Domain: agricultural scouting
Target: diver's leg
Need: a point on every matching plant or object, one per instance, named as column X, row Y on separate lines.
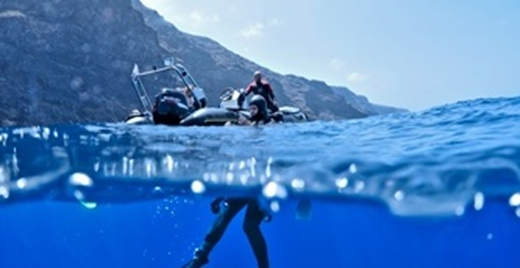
column 221, row 222
column 255, row 216
column 217, row 230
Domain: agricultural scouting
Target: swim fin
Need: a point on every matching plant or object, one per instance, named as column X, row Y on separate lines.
column 198, row 260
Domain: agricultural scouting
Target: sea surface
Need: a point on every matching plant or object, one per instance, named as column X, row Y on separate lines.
column 436, row 188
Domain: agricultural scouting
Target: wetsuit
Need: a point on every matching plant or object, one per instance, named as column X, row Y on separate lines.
column 253, row 218
column 269, row 119
column 264, row 89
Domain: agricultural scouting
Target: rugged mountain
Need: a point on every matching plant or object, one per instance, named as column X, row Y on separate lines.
column 361, row 103
column 65, row 61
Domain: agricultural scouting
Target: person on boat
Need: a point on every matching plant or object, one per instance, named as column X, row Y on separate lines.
column 262, row 87
column 195, row 97
column 170, row 107
column 192, row 102
column 254, row 213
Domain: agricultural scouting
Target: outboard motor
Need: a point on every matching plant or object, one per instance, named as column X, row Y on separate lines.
column 170, row 107
column 231, row 99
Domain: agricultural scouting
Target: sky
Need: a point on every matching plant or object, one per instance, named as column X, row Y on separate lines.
column 404, row 53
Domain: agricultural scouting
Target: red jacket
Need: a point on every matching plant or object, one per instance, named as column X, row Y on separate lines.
column 263, row 89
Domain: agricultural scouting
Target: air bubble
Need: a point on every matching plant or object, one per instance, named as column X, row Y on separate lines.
column 21, row 183
column 298, row 184
column 514, row 201
column 157, row 189
column 479, row 201
column 399, row 195
column 229, row 177
column 80, row 179
column 89, row 205
column 242, row 164
column 79, row 195
column 275, row 206
column 4, row 192
column 352, row 168
column 197, row 187
column 273, row 189
column 342, row 182
column 359, row 186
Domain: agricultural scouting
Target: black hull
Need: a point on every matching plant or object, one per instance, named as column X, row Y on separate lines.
column 212, row 116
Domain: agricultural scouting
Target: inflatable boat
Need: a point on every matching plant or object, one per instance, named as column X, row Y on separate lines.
column 186, row 106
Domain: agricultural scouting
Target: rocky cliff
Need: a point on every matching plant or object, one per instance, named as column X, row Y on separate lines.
column 69, row 61
column 361, row 103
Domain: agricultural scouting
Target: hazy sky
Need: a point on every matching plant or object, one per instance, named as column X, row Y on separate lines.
column 406, row 53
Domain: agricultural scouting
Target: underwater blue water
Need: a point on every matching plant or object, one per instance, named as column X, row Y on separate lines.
column 439, row 188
